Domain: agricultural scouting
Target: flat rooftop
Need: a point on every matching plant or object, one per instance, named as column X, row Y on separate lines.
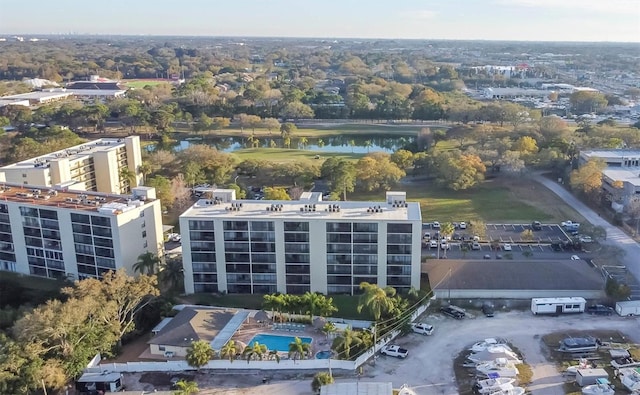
column 305, row 210
column 72, row 153
column 37, row 95
column 617, row 153
column 526, row 274
column 628, row 174
column 96, row 202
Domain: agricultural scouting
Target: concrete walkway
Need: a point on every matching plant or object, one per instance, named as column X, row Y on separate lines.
column 615, row 236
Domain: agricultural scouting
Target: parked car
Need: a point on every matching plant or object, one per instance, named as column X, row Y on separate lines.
column 585, row 239
column 487, row 309
column 175, row 237
column 536, row 225
column 427, row 235
column 453, row 312
column 599, row 309
column 486, row 256
column 575, row 258
column 435, row 225
column 462, row 225
column 475, row 245
column 395, row 351
column 433, row 244
column 422, row 328
column 506, row 247
column 445, row 246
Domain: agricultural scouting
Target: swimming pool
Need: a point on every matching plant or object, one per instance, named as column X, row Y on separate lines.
column 323, row 354
column 277, row 342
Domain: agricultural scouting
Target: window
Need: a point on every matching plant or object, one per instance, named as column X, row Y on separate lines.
column 144, row 233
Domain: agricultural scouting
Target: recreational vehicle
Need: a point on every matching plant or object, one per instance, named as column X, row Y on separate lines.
column 628, row 308
column 557, row 305
column 92, row 383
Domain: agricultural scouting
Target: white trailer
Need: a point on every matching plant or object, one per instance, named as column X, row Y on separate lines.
column 628, row 308
column 558, row 305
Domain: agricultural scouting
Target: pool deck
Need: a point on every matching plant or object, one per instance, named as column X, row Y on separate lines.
column 247, row 331
column 251, row 328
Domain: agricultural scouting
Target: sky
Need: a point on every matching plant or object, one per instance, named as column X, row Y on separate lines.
column 528, row 20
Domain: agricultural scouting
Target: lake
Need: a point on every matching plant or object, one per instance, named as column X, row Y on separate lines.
column 339, row 144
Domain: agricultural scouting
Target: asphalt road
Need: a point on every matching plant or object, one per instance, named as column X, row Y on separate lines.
column 615, row 236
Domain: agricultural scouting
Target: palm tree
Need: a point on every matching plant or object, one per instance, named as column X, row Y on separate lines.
column 186, row 388
column 273, row 354
column 368, row 144
column 320, row 143
column 287, row 141
column 229, row 350
column 145, row 169
column 256, row 351
column 303, row 142
column 329, row 328
column 345, row 342
column 146, row 263
column 127, row 177
column 171, row 274
column 377, row 300
column 298, row 349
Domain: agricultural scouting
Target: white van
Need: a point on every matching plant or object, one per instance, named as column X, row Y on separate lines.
column 423, row 329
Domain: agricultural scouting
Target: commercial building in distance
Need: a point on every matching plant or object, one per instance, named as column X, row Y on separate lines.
column 621, row 177
column 259, row 246
column 60, row 234
column 93, row 166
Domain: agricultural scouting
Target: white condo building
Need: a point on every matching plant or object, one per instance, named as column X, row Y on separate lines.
column 259, row 246
column 56, row 233
column 93, row 166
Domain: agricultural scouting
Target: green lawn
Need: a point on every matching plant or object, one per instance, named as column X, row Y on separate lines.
column 139, row 84
column 487, row 203
column 291, row 155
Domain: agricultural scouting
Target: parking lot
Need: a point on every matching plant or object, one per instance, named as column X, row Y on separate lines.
column 550, row 242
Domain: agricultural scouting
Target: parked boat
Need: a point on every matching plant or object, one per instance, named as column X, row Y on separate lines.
column 493, row 352
column 630, row 378
column 619, row 363
column 500, row 366
column 583, row 364
column 492, row 384
column 578, row 344
column 601, row 387
column 510, row 390
column 484, row 344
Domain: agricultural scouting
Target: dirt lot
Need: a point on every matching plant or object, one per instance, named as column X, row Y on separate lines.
column 429, row 367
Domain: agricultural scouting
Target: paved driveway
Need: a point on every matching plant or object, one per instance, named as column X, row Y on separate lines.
column 615, row 236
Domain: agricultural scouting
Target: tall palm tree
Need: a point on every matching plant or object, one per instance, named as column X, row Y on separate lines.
column 346, row 342
column 329, row 328
column 186, row 388
column 171, row 274
column 303, row 142
column 145, row 169
column 127, row 177
column 229, row 350
column 299, row 349
column 146, row 263
column 377, row 300
column 255, row 351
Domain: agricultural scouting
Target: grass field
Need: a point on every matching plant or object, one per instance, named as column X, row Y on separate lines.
column 512, row 200
column 291, row 155
column 139, row 84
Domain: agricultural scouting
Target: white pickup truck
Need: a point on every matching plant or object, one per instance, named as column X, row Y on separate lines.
column 395, row 351
column 570, row 224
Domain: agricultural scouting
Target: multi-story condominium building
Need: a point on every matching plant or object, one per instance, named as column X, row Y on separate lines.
column 93, row 166
column 621, row 177
column 258, row 246
column 56, row 233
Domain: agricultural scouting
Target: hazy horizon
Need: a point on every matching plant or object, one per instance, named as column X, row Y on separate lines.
column 615, row 21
